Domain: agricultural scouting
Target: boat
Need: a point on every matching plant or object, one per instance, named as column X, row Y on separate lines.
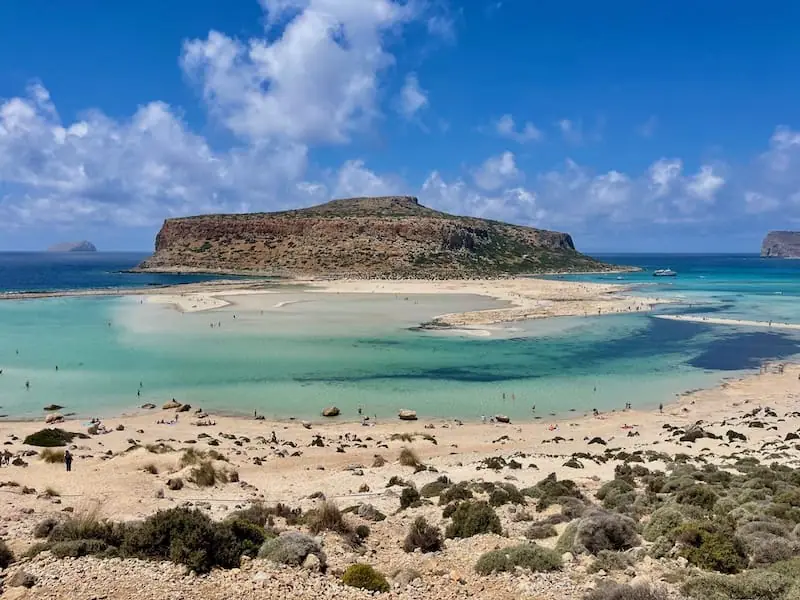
column 664, row 273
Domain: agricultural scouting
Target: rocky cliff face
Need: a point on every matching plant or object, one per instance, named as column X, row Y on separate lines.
column 781, row 244
column 83, row 246
column 362, row 237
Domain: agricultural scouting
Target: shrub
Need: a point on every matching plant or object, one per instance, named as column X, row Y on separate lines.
column 697, row 495
column 51, row 456
column 250, row 535
column 408, row 497
column 549, row 490
column 87, row 525
column 432, row 489
column 50, row 492
column 175, row 483
column 205, row 475
column 456, row 492
column 190, row 457
column 6, row 556
column 661, row 547
column 526, row 556
column 424, row 536
column 606, row 531
column 707, row 546
column 257, row 514
column 43, row 528
column 365, row 577
column 78, row 548
column 566, row 541
column 611, row 561
column 540, row 531
column 408, row 458
column 50, row 438
column 623, row 591
column 327, row 517
column 150, row 468
column 473, row 518
column 756, row 584
column 183, row 536
column 362, row 531
column 505, row 493
column 662, row 521
column 291, row 548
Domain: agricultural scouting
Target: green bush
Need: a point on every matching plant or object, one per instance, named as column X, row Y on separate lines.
column 605, row 531
column 423, row 536
column 87, row 526
column 51, row 456
column 205, row 475
column 78, row 548
column 408, row 458
column 611, row 561
column 363, row 531
column 526, row 556
column 455, row 493
column 50, row 438
column 184, row 536
column 623, row 591
column 697, row 495
column 540, row 531
column 756, row 584
column 291, row 548
column 790, row 497
column 250, row 536
column 505, row 493
column 408, row 497
column 257, row 514
column 44, row 528
column 473, row 518
column 566, row 541
column 365, row 577
column 6, row 556
column 327, row 517
column 433, row 489
column 549, row 490
column 662, row 521
column 710, row 547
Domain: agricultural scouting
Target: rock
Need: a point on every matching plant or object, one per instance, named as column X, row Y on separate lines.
column 21, row 579
column 312, row 563
column 18, row 462
column 82, row 246
column 369, row 513
column 597, row 440
column 148, row 406
column 781, row 244
column 404, row 577
column 52, row 407
column 120, row 427
column 306, row 424
column 171, row 405
column 407, row 415
column 331, row 411
column 567, row 557
column 260, row 577
column 383, row 236
column 502, row 419
column 184, row 408
column 54, row 418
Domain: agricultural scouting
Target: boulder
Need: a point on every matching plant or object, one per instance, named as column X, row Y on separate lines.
column 171, row 405
column 21, row 579
column 331, row 411
column 502, row 419
column 407, row 415
column 148, row 406
column 184, row 408
column 54, row 418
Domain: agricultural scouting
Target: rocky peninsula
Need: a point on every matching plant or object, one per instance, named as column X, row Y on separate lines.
column 82, row 246
column 384, row 237
column 781, row 244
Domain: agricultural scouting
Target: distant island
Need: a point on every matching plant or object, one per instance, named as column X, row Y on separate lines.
column 383, row 237
column 82, row 246
column 781, row 244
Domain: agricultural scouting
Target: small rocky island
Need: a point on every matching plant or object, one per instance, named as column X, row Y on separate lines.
column 82, row 246
column 781, row 244
column 386, row 237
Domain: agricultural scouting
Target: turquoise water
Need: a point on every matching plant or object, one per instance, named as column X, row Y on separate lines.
column 317, row 350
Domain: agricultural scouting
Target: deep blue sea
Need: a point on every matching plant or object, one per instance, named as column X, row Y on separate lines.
column 58, row 271
column 293, row 352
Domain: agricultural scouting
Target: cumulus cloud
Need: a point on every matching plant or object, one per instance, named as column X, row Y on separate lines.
column 316, row 82
column 705, row 184
column 496, row 171
column 507, row 128
column 412, row 97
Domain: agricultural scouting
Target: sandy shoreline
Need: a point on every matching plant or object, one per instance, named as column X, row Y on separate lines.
column 733, row 322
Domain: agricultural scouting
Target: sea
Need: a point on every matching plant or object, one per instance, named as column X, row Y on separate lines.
column 302, row 351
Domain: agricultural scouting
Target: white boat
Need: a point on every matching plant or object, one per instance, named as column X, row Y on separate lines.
column 664, row 273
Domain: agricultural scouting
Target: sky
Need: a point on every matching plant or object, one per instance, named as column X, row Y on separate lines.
column 634, row 126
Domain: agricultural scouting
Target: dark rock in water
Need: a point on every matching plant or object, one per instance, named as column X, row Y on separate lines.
column 148, row 406
column 52, row 407
column 331, row 411
column 82, row 246
column 781, row 244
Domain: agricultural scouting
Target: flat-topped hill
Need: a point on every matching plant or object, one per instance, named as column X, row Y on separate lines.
column 781, row 244
column 392, row 236
column 82, row 246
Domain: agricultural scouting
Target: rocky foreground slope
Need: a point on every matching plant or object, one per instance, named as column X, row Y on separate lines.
column 781, row 244
column 362, row 237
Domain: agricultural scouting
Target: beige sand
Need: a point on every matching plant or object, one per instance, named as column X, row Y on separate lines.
column 734, row 322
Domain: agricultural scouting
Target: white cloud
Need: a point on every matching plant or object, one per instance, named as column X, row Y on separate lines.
column 355, row 180
column 316, row 82
column 496, row 172
column 756, row 202
column 412, row 97
column 572, row 131
column 506, row 127
column 663, row 174
column 705, row 184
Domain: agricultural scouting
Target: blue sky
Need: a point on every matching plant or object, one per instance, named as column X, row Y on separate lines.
column 632, row 125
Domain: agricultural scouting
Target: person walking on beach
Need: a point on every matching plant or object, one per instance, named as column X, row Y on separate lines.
column 68, row 460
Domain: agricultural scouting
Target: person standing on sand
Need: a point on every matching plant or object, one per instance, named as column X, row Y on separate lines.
column 68, row 460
